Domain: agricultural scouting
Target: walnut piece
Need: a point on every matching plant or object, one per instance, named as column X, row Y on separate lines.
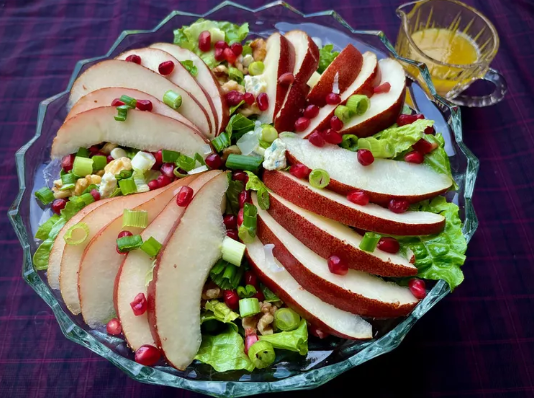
column 228, row 151
column 108, row 147
column 232, row 85
column 249, row 110
column 117, row 165
column 83, row 183
column 61, row 194
column 265, row 326
column 250, row 322
column 259, row 49
column 220, row 71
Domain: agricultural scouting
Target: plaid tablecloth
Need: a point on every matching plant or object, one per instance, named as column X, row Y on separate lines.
column 478, row 342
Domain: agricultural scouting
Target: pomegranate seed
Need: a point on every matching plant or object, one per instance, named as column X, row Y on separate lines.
column 317, row 332
column 184, row 197
column 241, row 176
column 430, row 130
column 159, row 157
column 337, row 266
column 317, row 139
column 166, row 68
column 67, row 162
column 237, row 49
column 414, row 157
column 403, row 120
column 424, row 147
column 336, row 123
column 333, row 99
column 109, row 159
column 232, row 233
column 302, row 124
column 58, row 205
column 147, row 355
column 259, row 295
column 365, row 157
column 398, row 205
column 153, row 185
column 219, row 54
column 117, row 102
column 163, row 181
column 263, row 101
column 114, row 327
column 383, row 88
column 234, row 97
column 249, row 98
column 204, row 41
column 286, row 79
column 229, row 56
column 139, row 304
column 214, row 161
column 250, row 340
column 95, row 194
column 240, row 217
column 230, row 221
column 418, row 288
column 144, row 105
column 251, row 279
column 333, row 137
column 122, row 234
column 167, row 169
column 136, row 59
column 311, row 111
column 244, row 197
column 358, row 197
column 231, row 299
column 94, row 149
column 221, row 44
column 300, row 171
column 388, row 245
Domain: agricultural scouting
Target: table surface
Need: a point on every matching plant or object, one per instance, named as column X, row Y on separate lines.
column 477, row 342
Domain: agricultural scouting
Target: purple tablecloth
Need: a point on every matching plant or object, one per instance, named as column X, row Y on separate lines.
column 478, row 342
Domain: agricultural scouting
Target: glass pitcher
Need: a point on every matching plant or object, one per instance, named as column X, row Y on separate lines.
column 457, row 44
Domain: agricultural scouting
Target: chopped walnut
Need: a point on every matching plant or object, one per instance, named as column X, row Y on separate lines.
column 220, row 71
column 250, row 322
column 58, row 183
column 228, row 151
column 265, row 326
column 100, row 172
column 249, row 110
column 268, row 308
column 117, row 165
column 61, row 194
column 83, row 183
column 108, row 147
column 247, row 60
column 212, row 293
column 259, row 49
column 232, row 85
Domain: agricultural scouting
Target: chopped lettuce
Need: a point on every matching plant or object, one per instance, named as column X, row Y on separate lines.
column 239, row 125
column 41, row 255
column 326, row 56
column 187, row 36
column 190, row 66
column 439, row 256
column 45, row 228
column 234, row 108
column 270, row 297
column 235, row 187
column 295, row 340
column 220, row 311
column 257, row 185
column 224, row 351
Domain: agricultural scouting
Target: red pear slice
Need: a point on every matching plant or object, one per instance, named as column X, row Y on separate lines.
column 181, row 270
column 324, row 316
column 306, row 61
column 385, row 107
column 331, row 205
column 280, row 59
column 383, row 180
column 327, row 237
column 131, row 277
column 346, row 66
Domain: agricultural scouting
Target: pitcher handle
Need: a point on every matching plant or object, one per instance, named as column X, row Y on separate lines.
column 479, row 101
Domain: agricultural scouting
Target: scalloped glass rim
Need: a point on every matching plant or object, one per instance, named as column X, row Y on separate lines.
column 310, row 379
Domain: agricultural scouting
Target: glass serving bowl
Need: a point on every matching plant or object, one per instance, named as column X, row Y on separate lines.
column 327, row 358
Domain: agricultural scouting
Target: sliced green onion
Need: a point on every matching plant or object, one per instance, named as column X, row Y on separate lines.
column 76, row 234
column 200, row 159
column 246, row 291
column 286, row 319
column 268, row 133
column 186, row 163
column 225, row 275
column 350, row 142
column 177, row 173
column 169, row 156
column 379, row 148
column 68, row 178
column 127, row 243
column 131, row 152
column 45, row 195
column 369, row 242
column 44, row 229
column 83, row 153
column 66, row 187
column 248, row 307
column 246, row 50
column 172, row 99
column 151, row 247
column 127, row 186
column 143, row 161
column 87, row 198
column 221, row 141
column 122, row 111
column 99, row 162
column 124, row 174
column 343, row 113
column 261, row 354
column 82, row 166
column 235, row 74
column 256, row 68
column 232, row 251
column 190, row 66
column 135, row 218
column 140, row 181
column 241, row 162
column 116, row 192
column 358, row 104
column 131, row 102
column 247, row 230
column 319, row 178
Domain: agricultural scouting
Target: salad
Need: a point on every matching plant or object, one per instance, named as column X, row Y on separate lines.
column 223, row 197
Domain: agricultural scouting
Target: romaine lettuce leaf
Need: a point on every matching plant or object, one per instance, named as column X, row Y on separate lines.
column 255, row 184
column 296, row 340
column 326, row 56
column 45, row 228
column 224, row 351
column 220, row 311
column 41, row 255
